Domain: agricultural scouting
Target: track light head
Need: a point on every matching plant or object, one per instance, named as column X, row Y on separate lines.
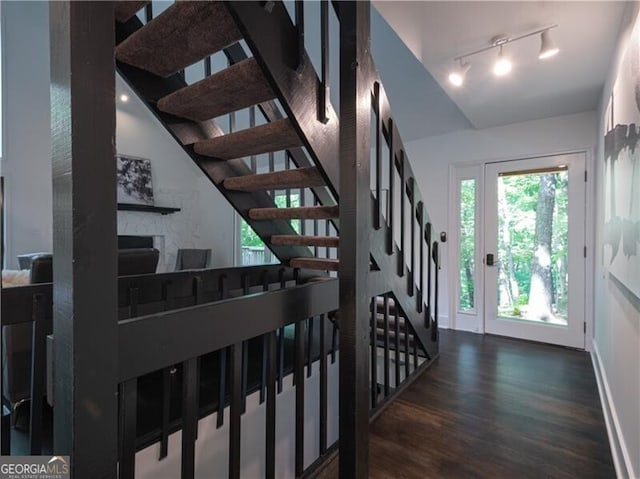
column 548, row 47
column 503, row 65
column 456, row 77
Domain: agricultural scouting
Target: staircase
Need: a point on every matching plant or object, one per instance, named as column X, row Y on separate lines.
column 152, row 57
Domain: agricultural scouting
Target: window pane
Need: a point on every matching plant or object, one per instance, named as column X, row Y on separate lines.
column 254, row 251
column 467, row 246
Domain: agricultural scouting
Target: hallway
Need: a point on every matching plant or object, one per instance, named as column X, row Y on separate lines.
column 497, row 408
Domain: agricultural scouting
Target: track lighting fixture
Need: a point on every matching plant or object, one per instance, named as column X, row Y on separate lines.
column 503, row 65
column 547, row 46
column 456, row 77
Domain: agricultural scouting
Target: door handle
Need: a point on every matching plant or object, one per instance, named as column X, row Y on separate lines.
column 490, row 259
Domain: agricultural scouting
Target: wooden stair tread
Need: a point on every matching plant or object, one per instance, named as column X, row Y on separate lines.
column 240, row 86
column 301, row 213
column 183, row 34
column 124, row 10
column 315, row 263
column 299, row 240
column 279, row 180
column 274, row 136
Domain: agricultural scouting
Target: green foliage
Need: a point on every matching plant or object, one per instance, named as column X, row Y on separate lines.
column 248, row 236
column 467, row 243
column 519, row 219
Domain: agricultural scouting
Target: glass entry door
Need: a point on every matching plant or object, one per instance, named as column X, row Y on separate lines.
column 534, row 249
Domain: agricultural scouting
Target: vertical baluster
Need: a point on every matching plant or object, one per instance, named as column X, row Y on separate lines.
column 148, row 11
column 287, row 192
column 38, row 371
column 271, row 170
column 222, row 389
column 411, row 279
column 415, row 351
column 309, row 346
column 299, row 14
column 270, row 437
column 128, row 398
column 377, row 221
column 436, row 265
column 392, row 188
column 224, row 293
column 403, row 214
column 407, row 358
column 235, row 411
column 166, row 408
column 299, row 384
column 386, row 345
column 374, row 352
column 427, row 238
column 197, row 299
column 245, row 350
column 397, row 345
column 325, row 93
column 252, row 124
column 421, row 268
column 281, row 339
column 315, row 225
column 189, row 417
column 302, row 203
column 323, row 385
column 232, row 115
column 327, row 225
column 334, row 340
column 265, row 348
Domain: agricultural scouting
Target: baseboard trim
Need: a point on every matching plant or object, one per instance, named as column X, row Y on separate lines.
column 619, row 451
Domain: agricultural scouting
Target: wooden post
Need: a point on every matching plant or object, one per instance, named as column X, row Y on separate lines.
column 355, row 228
column 84, row 236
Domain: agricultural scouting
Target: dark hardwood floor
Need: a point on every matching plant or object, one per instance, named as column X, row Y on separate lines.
column 493, row 407
column 496, row 407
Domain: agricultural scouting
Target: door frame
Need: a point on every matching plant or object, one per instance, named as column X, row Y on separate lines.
column 457, row 172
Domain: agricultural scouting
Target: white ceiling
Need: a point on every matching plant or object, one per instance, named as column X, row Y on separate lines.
column 436, row 32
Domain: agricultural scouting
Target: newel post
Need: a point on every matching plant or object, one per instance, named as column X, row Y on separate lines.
column 84, row 236
column 355, row 228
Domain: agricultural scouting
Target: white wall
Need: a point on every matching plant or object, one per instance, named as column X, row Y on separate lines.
column 206, row 219
column 617, row 317
column 431, row 159
column 26, row 163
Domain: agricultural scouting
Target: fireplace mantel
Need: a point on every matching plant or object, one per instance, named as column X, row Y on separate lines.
column 163, row 210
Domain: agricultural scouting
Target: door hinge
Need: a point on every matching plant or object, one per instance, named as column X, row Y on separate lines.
column 585, row 176
column 585, row 327
column 585, row 251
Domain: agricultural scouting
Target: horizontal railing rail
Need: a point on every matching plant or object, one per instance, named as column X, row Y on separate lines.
column 149, row 343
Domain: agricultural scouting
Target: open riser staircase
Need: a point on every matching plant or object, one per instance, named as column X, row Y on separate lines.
column 279, row 75
column 195, row 348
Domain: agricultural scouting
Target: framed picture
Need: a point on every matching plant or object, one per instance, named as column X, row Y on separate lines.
column 621, row 253
column 134, row 180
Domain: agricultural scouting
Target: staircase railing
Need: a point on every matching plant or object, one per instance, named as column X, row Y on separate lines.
column 151, row 88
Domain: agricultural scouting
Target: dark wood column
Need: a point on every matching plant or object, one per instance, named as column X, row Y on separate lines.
column 84, row 236
column 355, row 218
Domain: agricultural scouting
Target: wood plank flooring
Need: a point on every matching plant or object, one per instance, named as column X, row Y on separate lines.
column 493, row 407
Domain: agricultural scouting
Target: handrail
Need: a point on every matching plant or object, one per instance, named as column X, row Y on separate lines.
column 149, row 343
